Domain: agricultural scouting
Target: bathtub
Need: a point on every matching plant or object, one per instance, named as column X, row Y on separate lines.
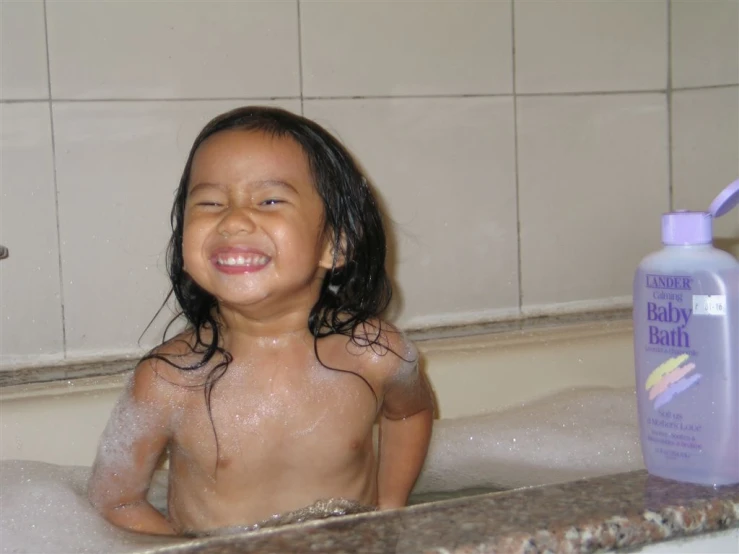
column 60, row 422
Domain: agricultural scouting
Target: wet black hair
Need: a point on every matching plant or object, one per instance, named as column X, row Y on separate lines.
column 355, row 290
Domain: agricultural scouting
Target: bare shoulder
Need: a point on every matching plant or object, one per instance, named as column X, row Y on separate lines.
column 167, row 369
column 384, row 350
column 145, row 409
column 392, row 360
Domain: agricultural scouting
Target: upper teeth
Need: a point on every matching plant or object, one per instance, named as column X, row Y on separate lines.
column 241, row 260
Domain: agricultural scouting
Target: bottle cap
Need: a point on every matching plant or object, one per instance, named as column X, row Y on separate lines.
column 684, row 228
column 726, row 200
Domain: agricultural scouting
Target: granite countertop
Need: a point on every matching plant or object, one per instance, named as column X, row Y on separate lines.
column 625, row 510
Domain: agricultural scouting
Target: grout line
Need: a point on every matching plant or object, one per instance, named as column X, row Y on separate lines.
column 360, row 97
column 491, row 95
column 668, row 95
column 591, row 93
column 164, row 100
column 56, row 186
column 515, row 156
column 408, row 96
column 255, row 98
column 706, row 87
column 300, row 57
column 25, row 100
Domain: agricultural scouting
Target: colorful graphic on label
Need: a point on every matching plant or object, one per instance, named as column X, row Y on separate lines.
column 670, row 379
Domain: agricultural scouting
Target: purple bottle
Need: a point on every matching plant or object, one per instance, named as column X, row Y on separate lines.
column 686, row 349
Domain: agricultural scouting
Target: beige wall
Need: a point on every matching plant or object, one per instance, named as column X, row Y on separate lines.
column 517, row 184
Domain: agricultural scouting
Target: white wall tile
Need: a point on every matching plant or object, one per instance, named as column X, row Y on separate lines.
column 173, row 49
column 590, row 45
column 705, row 153
column 592, row 185
column 30, row 305
column 705, row 42
column 118, row 165
column 404, row 48
column 23, row 72
column 444, row 169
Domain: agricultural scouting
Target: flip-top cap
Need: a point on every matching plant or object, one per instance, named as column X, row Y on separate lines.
column 726, row 200
column 684, row 228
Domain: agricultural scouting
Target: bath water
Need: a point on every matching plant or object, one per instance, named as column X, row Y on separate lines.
column 562, row 437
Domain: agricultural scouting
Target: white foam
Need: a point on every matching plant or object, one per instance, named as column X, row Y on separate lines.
column 561, row 437
column 566, row 436
column 44, row 508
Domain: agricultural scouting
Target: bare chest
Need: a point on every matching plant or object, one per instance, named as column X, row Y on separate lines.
column 260, row 417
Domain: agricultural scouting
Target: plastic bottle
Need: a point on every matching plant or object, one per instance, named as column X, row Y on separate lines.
column 686, row 349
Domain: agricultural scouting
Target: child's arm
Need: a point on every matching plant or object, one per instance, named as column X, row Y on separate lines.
column 405, row 431
column 130, row 447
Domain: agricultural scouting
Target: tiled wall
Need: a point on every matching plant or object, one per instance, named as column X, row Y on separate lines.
column 517, row 184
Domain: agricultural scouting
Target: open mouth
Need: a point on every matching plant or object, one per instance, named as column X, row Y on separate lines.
column 250, row 260
column 239, row 260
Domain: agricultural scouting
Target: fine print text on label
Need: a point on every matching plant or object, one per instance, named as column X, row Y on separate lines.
column 709, row 304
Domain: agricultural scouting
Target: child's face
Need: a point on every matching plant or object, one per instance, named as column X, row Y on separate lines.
column 253, row 228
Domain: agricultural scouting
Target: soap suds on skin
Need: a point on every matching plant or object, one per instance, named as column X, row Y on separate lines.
column 129, row 421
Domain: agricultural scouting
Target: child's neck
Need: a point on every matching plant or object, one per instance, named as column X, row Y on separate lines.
column 240, row 329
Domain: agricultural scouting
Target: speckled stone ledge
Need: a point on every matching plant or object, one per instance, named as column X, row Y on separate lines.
column 625, row 510
column 65, row 372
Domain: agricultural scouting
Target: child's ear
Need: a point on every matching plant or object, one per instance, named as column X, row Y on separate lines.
column 329, row 251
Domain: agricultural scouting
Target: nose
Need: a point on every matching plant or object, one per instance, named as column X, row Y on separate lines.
column 236, row 220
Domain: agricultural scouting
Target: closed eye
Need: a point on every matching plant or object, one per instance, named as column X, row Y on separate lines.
column 271, row 202
column 208, row 206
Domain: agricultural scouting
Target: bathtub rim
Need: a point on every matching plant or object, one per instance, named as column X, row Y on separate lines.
column 112, row 374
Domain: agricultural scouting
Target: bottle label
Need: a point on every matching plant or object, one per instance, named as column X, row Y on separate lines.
column 670, row 379
column 672, row 434
column 670, row 308
column 686, row 355
column 709, row 304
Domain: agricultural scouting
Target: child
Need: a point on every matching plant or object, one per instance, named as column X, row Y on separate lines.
column 266, row 402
